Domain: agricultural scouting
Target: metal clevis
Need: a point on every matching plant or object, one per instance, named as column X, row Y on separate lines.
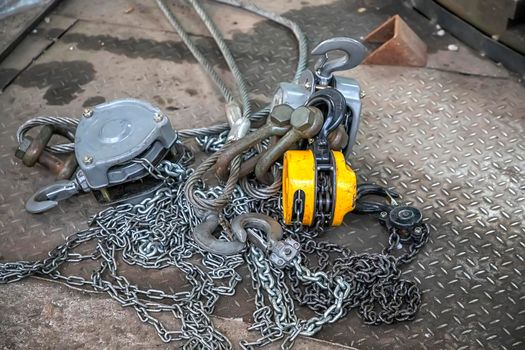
column 322, row 77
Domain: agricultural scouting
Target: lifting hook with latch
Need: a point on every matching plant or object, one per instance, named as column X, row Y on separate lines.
column 354, row 53
column 281, row 251
column 203, row 236
column 48, row 196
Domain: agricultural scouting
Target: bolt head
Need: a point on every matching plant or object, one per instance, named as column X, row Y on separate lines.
column 158, row 117
column 303, row 118
column 87, row 113
column 88, row 159
column 383, row 214
column 281, row 115
column 418, row 230
column 362, row 94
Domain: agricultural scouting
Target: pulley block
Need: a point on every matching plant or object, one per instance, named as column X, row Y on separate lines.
column 116, row 145
column 111, row 135
column 318, row 186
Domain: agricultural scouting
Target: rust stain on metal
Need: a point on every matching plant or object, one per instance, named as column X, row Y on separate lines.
column 400, row 46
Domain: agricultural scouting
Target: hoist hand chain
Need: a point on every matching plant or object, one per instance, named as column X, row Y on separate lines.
column 333, row 106
column 272, row 281
column 377, row 290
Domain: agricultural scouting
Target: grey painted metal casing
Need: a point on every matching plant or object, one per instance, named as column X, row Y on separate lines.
column 296, row 95
column 352, row 92
column 112, row 134
column 291, row 94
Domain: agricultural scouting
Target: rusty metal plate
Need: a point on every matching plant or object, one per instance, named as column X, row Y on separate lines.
column 453, row 144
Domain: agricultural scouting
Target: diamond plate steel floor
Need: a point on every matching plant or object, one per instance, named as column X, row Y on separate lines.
column 451, row 138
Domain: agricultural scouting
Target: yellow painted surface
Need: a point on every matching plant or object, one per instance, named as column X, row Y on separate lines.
column 345, row 189
column 299, row 174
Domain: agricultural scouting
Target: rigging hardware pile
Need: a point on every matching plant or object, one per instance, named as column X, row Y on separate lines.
column 169, row 219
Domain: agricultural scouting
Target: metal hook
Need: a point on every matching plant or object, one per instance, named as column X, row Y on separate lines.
column 281, row 252
column 272, row 229
column 202, row 234
column 354, row 53
column 48, row 196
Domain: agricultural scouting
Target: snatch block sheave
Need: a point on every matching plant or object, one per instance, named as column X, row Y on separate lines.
column 303, row 199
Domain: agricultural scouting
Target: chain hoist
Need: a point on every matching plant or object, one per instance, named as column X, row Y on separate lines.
column 318, row 185
column 282, row 185
column 112, row 142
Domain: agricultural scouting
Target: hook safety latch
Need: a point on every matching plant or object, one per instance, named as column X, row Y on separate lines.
column 48, row 197
column 354, row 53
column 281, row 252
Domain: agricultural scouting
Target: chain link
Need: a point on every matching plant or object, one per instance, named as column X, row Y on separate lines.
column 156, row 234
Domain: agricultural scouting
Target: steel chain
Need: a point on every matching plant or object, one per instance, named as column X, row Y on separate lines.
column 156, row 234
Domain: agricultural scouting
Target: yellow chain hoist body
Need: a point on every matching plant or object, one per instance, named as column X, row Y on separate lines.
column 300, row 177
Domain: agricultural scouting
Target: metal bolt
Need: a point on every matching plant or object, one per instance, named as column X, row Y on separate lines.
column 383, row 214
column 287, row 251
column 22, row 148
column 362, row 94
column 281, row 115
column 87, row 113
column 303, row 118
column 158, row 117
column 88, row 159
column 418, row 230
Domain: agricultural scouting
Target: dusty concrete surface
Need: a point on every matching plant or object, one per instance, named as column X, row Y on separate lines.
column 60, row 318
